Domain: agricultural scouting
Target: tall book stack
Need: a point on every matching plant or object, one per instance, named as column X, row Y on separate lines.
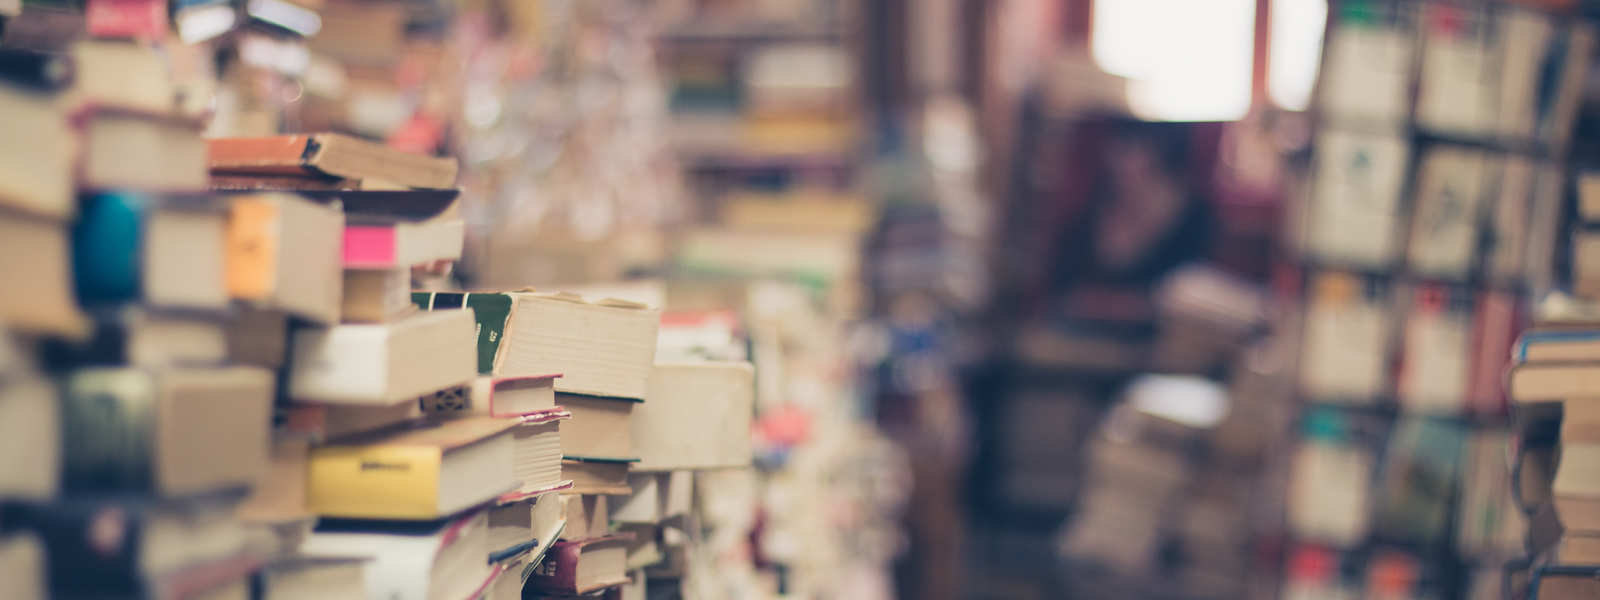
column 630, row 432
column 131, row 458
column 1551, row 384
column 1430, row 219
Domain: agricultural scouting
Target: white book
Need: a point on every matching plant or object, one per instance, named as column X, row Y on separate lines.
column 1344, row 356
column 1330, row 493
column 1452, row 187
column 22, row 567
column 411, row 563
column 383, row 363
column 1355, row 216
column 1457, row 90
column 1366, row 74
column 697, row 417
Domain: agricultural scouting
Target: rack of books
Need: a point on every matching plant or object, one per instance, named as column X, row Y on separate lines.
column 240, row 369
column 1431, row 213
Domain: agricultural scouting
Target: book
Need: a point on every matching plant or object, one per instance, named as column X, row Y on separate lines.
column 1421, row 469
column 329, row 154
column 121, row 74
column 427, row 472
column 1580, row 421
column 164, row 253
column 536, row 449
column 1552, row 382
column 22, row 568
column 1586, row 263
column 142, row 151
column 600, row 427
column 602, row 348
column 258, row 337
column 644, row 549
column 171, row 431
column 382, row 363
column 411, row 561
column 1495, row 323
column 376, row 295
column 30, row 438
column 140, row 336
column 1578, row 549
column 387, row 246
column 586, row 515
column 1367, row 73
column 36, row 255
column 1487, row 520
column 1354, row 216
column 1435, row 356
column 583, row 566
column 1557, row 582
column 698, row 416
column 36, row 155
column 1452, row 190
column 279, row 498
column 336, row 421
column 523, row 529
column 132, row 547
column 1576, row 488
column 1344, row 356
column 655, row 497
column 292, row 577
column 495, row 396
column 596, row 476
column 132, row 19
column 1458, row 88
column 283, row 253
column 1330, row 490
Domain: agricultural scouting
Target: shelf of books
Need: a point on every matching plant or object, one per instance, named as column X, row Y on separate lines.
column 1431, row 229
column 238, row 357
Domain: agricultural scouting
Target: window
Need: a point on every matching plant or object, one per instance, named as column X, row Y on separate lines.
column 1188, row 60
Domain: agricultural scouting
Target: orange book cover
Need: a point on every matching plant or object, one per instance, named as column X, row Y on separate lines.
column 281, row 154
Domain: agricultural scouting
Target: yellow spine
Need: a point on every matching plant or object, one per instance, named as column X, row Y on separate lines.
column 252, row 248
column 375, row 482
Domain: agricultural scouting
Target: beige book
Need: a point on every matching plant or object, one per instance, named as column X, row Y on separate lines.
column 280, row 497
column 22, row 567
column 697, row 417
column 1577, row 487
column 600, row 427
column 1579, row 549
column 142, row 151
column 1547, row 382
column 30, row 439
column 170, row 432
column 377, row 295
column 586, row 515
column 596, row 476
column 258, row 337
column 284, row 253
column 36, row 263
column 36, row 155
column 121, row 74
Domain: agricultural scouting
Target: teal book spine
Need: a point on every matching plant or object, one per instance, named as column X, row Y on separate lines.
column 106, row 245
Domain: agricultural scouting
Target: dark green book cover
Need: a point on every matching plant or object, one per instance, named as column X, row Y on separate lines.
column 108, row 423
column 491, row 310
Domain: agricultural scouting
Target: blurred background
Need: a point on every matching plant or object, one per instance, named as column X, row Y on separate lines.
column 1046, row 298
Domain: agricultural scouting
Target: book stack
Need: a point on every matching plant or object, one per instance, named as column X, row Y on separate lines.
column 1431, row 222
column 312, row 243
column 132, row 456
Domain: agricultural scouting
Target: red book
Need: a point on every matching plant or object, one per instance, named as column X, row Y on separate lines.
column 604, row 564
column 139, row 19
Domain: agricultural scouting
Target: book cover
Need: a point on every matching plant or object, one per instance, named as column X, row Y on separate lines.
column 281, row 253
column 405, row 475
column 560, row 571
column 138, row 19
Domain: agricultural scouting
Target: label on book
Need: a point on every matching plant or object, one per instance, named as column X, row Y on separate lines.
column 109, row 418
column 491, row 310
column 252, row 247
column 386, row 482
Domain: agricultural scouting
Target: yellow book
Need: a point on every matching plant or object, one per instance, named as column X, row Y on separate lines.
column 427, row 472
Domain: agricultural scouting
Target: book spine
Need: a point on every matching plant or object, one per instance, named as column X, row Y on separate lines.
column 559, row 571
column 105, row 248
column 371, row 247
column 252, row 248
column 374, row 482
column 110, row 415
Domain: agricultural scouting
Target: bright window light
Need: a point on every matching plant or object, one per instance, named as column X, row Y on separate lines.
column 1296, row 51
column 1187, row 60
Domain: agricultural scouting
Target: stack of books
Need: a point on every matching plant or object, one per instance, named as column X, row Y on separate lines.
column 132, row 457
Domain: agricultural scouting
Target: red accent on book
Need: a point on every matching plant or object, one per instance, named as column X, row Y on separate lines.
column 519, row 495
column 540, row 417
column 139, row 19
column 368, row 246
